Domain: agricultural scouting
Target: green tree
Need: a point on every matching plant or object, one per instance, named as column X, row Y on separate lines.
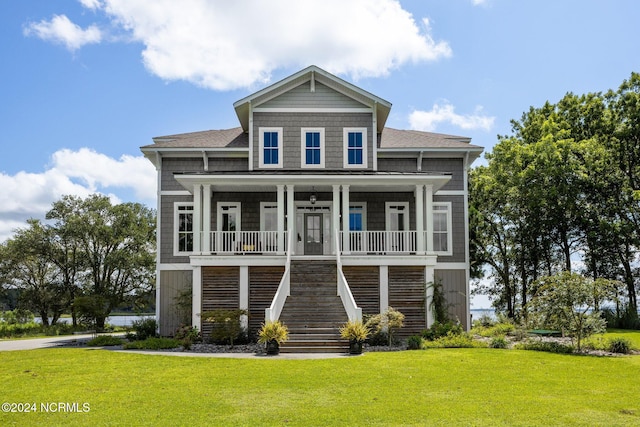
column 570, row 302
column 27, row 269
column 117, row 244
column 564, row 186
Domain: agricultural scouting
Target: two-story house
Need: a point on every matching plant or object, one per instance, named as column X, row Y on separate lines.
column 312, row 195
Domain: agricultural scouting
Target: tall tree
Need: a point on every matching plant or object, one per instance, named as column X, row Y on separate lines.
column 32, row 273
column 564, row 187
column 117, row 242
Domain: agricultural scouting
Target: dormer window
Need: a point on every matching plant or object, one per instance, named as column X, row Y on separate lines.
column 271, row 151
column 312, row 148
column 355, row 148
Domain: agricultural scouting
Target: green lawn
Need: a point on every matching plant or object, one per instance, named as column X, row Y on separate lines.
column 430, row 387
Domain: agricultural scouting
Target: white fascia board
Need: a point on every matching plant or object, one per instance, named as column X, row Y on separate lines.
column 262, row 180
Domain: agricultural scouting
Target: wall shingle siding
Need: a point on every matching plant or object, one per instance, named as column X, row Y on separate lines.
column 454, row 285
column 457, row 225
column 166, row 228
column 301, row 97
column 292, row 123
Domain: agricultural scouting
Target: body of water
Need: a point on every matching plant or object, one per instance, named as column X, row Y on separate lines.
column 112, row 320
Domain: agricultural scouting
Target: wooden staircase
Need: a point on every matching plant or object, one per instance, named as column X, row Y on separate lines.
column 313, row 312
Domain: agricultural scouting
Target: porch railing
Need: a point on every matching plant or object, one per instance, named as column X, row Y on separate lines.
column 272, row 313
column 382, row 242
column 244, row 242
column 354, row 312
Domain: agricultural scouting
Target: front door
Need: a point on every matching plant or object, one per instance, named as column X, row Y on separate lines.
column 397, row 224
column 313, row 234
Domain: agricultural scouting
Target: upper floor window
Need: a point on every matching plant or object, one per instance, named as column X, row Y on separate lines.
column 355, row 147
column 183, row 228
column 271, row 150
column 312, row 148
column 442, row 236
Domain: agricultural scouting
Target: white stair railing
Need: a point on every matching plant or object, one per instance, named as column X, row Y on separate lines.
column 272, row 313
column 354, row 313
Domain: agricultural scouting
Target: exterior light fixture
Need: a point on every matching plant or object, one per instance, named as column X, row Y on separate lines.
column 313, row 197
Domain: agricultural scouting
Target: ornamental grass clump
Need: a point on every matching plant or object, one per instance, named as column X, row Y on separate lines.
column 355, row 331
column 273, row 331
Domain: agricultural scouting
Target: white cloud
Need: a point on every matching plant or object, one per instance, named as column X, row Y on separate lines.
column 81, row 173
column 445, row 113
column 226, row 45
column 91, row 4
column 61, row 30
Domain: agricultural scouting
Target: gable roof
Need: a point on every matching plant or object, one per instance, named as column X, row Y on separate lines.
column 312, row 73
column 225, row 138
column 395, row 138
column 390, row 139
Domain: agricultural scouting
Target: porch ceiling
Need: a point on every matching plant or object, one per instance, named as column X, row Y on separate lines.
column 320, row 183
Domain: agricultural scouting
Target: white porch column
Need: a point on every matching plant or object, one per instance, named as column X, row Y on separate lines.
column 206, row 217
column 244, row 294
column 384, row 288
column 335, row 211
column 345, row 220
column 429, row 216
column 280, row 213
column 197, row 218
column 429, row 278
column 291, row 218
column 196, row 299
column 420, row 219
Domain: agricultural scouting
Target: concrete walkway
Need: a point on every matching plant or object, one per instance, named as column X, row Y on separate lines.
column 34, row 343
column 59, row 341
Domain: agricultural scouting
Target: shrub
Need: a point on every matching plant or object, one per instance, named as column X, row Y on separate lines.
column 619, row 345
column 484, row 321
column 414, row 342
column 625, row 318
column 153, row 343
column 187, row 335
column 104, row 340
column 498, row 342
column 388, row 322
column 438, row 330
column 19, row 329
column 378, row 338
column 452, row 340
column 144, row 328
column 548, row 346
column 226, row 325
column 17, row 316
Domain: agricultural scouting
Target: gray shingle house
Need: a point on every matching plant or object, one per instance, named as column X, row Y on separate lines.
column 312, row 211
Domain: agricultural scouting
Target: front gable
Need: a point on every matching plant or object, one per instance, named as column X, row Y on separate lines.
column 312, row 120
column 308, row 96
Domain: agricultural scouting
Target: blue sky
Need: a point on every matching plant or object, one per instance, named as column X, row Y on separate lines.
column 85, row 83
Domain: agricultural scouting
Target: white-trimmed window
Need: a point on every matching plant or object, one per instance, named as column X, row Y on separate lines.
column 355, row 147
column 268, row 216
column 271, row 148
column 183, row 228
column 442, row 235
column 312, row 147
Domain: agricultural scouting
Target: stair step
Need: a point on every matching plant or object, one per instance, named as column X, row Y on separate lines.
column 313, row 312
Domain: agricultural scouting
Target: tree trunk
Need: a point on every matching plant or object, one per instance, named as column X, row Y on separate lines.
column 45, row 317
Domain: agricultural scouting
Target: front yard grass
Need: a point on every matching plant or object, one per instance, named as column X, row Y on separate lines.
column 424, row 387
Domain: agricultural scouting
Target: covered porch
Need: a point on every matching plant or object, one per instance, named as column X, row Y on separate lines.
column 259, row 214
